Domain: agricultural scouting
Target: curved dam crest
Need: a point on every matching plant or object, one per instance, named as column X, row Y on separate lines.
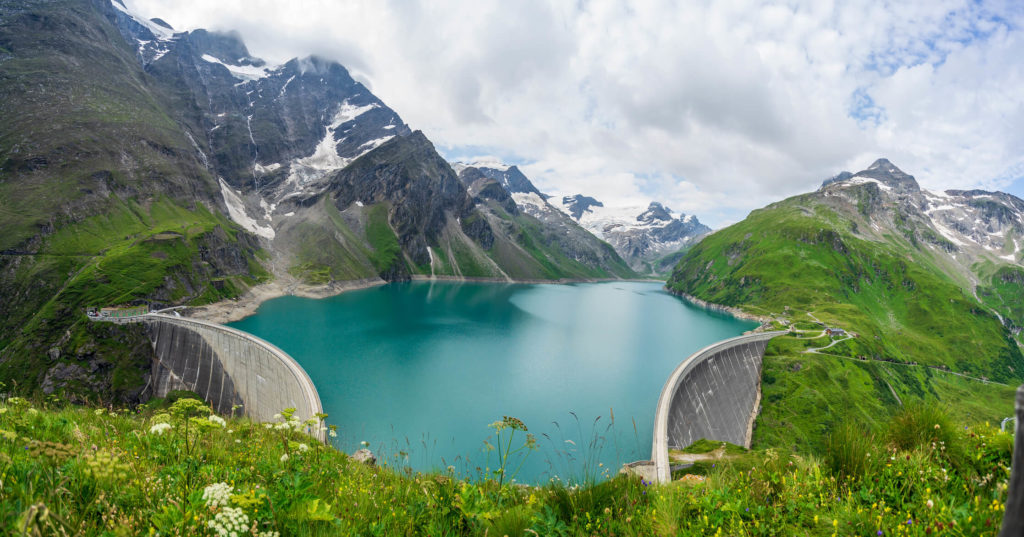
column 228, row 367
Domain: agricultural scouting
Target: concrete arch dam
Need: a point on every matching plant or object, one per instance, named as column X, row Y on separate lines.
column 714, row 394
column 228, row 367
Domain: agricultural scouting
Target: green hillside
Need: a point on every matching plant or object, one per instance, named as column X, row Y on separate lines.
column 801, row 261
column 172, row 468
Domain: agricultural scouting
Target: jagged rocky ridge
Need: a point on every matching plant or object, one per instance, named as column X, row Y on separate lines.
column 512, row 203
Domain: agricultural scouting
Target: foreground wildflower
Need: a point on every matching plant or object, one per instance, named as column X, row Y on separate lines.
column 230, row 522
column 217, row 495
column 159, row 428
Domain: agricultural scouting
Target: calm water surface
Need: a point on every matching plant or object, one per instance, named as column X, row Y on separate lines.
column 418, row 370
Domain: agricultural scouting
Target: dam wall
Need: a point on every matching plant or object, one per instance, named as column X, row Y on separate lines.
column 713, row 394
column 228, row 367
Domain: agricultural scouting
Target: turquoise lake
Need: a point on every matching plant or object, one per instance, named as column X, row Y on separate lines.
column 418, row 370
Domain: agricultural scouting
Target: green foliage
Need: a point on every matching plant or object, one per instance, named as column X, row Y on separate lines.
column 386, row 251
column 918, row 425
column 511, row 459
column 116, row 476
column 707, row 446
column 812, row 395
column 847, row 450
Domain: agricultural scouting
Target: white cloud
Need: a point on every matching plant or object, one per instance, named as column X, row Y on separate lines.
column 715, row 108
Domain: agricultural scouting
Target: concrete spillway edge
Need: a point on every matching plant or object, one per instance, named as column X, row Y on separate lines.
column 309, row 393
column 659, row 448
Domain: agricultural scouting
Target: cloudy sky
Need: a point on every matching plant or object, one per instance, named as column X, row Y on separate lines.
column 714, row 108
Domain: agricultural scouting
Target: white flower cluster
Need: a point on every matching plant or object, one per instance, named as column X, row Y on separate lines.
column 159, row 428
column 292, row 423
column 268, row 533
column 303, row 447
column 217, row 494
column 217, row 420
column 230, row 522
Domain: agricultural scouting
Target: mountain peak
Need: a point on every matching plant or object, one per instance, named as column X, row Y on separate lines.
column 888, row 174
column 578, row 204
column 655, row 212
column 883, row 164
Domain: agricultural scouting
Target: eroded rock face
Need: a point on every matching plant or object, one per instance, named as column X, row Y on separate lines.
column 63, row 375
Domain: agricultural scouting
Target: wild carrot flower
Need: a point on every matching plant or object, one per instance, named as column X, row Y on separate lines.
column 217, row 420
column 231, row 522
column 217, row 495
column 284, row 458
column 159, row 428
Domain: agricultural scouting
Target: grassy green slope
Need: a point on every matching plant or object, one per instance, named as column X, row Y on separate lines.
column 797, row 257
column 161, row 252
column 91, row 472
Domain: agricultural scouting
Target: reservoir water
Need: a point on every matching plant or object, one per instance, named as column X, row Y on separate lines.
column 418, row 370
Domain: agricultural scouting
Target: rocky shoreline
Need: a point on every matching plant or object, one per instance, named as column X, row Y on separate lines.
column 231, row 310
column 735, row 312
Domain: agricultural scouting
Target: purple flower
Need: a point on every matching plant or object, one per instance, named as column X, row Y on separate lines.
column 908, row 522
column 879, row 532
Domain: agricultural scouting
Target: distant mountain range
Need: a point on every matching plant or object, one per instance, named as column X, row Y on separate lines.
column 651, row 239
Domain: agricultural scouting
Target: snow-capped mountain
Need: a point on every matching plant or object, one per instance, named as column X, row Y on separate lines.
column 270, row 133
column 641, row 235
column 968, row 226
column 301, row 152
